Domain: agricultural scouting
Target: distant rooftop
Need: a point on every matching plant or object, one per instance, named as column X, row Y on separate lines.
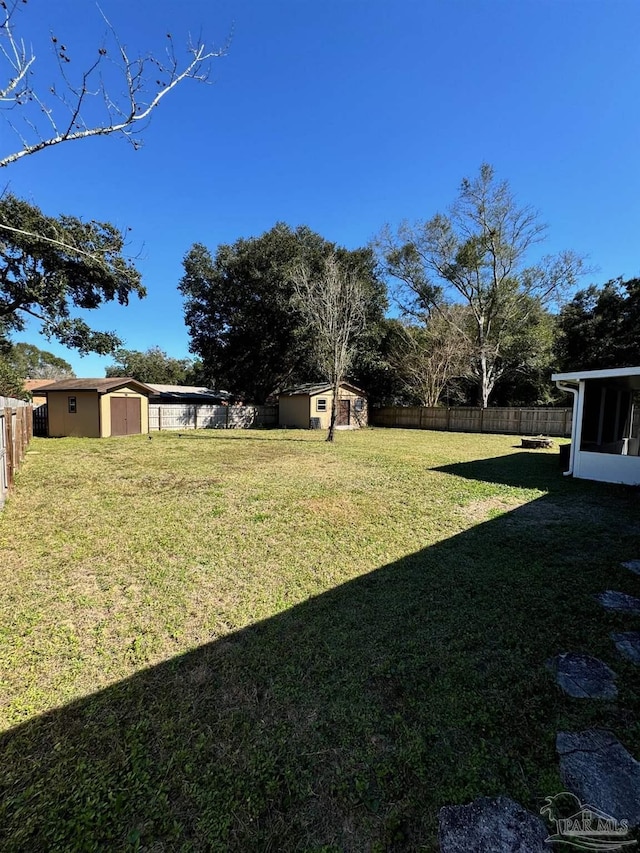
column 33, row 384
column 193, row 391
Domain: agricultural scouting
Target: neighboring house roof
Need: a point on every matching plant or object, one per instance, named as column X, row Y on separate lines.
column 188, row 392
column 32, row 385
column 312, row 388
column 102, row 386
column 630, row 373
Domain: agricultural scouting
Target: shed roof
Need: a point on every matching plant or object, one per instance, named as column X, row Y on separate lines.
column 102, row 386
column 311, row 388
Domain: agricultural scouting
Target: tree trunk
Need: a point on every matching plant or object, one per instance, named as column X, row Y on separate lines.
column 486, row 382
column 334, row 410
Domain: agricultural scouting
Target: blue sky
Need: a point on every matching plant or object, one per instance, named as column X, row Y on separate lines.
column 343, row 115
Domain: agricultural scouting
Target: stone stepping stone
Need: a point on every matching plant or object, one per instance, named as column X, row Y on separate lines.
column 632, row 565
column 600, row 772
column 583, row 677
column 620, row 601
column 628, row 644
column 491, row 826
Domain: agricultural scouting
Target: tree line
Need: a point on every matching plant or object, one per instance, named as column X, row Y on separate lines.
column 447, row 311
column 478, row 317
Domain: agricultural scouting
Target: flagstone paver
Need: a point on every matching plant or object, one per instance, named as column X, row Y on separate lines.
column 620, row 601
column 583, row 677
column 488, row 825
column 628, row 644
column 597, row 768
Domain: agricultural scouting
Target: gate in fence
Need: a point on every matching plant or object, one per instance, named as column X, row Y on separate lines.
column 40, row 422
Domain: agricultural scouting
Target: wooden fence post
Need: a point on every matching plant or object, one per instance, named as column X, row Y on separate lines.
column 8, row 426
column 6, row 461
column 195, row 416
column 20, row 433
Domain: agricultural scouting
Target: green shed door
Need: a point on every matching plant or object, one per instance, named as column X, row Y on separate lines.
column 126, row 418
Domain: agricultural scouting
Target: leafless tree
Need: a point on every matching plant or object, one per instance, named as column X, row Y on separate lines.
column 87, row 102
column 426, row 358
column 333, row 305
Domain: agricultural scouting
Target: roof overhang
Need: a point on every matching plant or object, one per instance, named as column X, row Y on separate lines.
column 628, row 376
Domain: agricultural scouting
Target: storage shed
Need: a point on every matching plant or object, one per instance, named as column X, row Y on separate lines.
column 97, row 408
column 309, row 406
column 605, row 432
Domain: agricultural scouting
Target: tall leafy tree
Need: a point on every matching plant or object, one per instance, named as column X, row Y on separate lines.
column 600, row 327
column 244, row 327
column 30, row 362
column 153, row 366
column 477, row 254
column 51, row 265
column 528, row 361
column 11, row 383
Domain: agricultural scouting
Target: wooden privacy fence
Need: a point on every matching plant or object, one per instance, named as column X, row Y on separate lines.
column 546, row 421
column 199, row 416
column 15, row 433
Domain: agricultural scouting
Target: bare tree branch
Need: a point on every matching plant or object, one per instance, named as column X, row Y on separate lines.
column 126, row 115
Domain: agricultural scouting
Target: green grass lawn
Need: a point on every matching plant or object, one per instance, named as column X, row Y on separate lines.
column 258, row 641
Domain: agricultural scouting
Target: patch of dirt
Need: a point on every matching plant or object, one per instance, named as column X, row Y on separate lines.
column 490, row 507
column 540, row 512
column 336, row 509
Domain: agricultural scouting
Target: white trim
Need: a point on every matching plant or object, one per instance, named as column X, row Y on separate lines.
column 607, row 468
column 608, row 373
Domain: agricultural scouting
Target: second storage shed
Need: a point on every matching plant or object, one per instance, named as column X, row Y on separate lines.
column 309, row 406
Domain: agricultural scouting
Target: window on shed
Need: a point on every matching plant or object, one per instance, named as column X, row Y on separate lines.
column 72, row 405
column 359, row 404
column 321, row 404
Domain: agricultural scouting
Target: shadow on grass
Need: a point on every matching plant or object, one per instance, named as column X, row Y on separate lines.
column 526, row 470
column 345, row 722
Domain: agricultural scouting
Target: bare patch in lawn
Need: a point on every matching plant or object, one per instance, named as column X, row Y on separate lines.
column 482, row 510
column 336, row 508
